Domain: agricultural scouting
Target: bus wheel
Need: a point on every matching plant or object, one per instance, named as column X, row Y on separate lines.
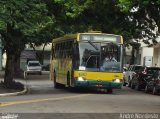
column 109, row 90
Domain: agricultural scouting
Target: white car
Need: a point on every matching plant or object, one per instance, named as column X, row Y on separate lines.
column 133, row 69
column 34, row 67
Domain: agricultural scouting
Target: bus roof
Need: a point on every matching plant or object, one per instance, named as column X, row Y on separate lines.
column 66, row 37
column 77, row 35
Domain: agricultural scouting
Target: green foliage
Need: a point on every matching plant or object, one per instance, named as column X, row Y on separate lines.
column 68, row 15
column 20, row 21
column 83, row 15
column 26, row 16
column 125, row 5
column 145, row 15
column 73, row 7
column 105, row 16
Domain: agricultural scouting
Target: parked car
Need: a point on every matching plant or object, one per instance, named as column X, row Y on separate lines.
column 154, row 84
column 124, row 72
column 132, row 69
column 34, row 67
column 144, row 75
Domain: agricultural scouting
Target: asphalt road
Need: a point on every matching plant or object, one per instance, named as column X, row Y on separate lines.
column 43, row 101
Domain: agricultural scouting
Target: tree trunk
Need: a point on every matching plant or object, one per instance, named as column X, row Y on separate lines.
column 17, row 69
column 9, row 70
column 17, row 64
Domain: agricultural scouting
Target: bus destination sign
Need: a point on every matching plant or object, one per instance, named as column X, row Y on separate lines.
column 100, row 37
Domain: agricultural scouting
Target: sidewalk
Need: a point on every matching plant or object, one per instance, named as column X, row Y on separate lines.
column 12, row 92
column 9, row 92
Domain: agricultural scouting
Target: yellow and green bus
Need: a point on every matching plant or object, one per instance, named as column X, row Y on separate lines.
column 79, row 60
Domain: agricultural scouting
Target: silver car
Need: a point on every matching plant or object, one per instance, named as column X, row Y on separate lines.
column 34, row 67
column 132, row 70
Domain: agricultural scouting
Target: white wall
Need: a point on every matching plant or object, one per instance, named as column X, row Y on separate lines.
column 47, row 47
column 145, row 51
column 156, row 58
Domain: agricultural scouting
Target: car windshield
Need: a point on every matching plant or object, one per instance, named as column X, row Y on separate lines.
column 137, row 68
column 99, row 56
column 33, row 64
column 154, row 71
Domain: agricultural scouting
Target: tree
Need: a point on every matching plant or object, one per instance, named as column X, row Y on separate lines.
column 67, row 14
column 42, row 38
column 107, row 18
column 19, row 19
column 145, row 15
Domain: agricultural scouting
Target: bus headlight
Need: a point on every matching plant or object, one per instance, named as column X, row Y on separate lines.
column 117, row 80
column 81, row 79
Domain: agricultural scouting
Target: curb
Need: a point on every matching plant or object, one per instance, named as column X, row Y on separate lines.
column 16, row 93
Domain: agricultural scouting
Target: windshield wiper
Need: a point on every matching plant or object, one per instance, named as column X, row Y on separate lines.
column 93, row 45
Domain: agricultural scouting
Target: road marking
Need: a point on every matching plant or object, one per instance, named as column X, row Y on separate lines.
column 41, row 100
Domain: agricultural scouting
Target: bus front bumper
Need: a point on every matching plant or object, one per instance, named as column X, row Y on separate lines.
column 97, row 84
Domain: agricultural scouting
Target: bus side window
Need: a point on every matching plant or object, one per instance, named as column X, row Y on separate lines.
column 75, row 54
column 53, row 52
column 57, row 50
column 70, row 44
column 71, row 48
column 62, row 50
column 65, row 50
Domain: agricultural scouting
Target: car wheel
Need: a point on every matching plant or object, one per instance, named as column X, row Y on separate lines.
column 138, row 87
column 129, row 84
column 132, row 86
column 124, row 84
column 40, row 73
column 154, row 92
column 25, row 75
column 146, row 89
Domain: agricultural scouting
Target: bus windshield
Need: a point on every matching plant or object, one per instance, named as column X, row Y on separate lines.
column 100, row 56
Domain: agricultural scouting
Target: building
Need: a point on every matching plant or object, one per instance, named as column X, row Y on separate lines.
column 156, row 53
column 30, row 54
column 142, row 56
column 146, row 56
